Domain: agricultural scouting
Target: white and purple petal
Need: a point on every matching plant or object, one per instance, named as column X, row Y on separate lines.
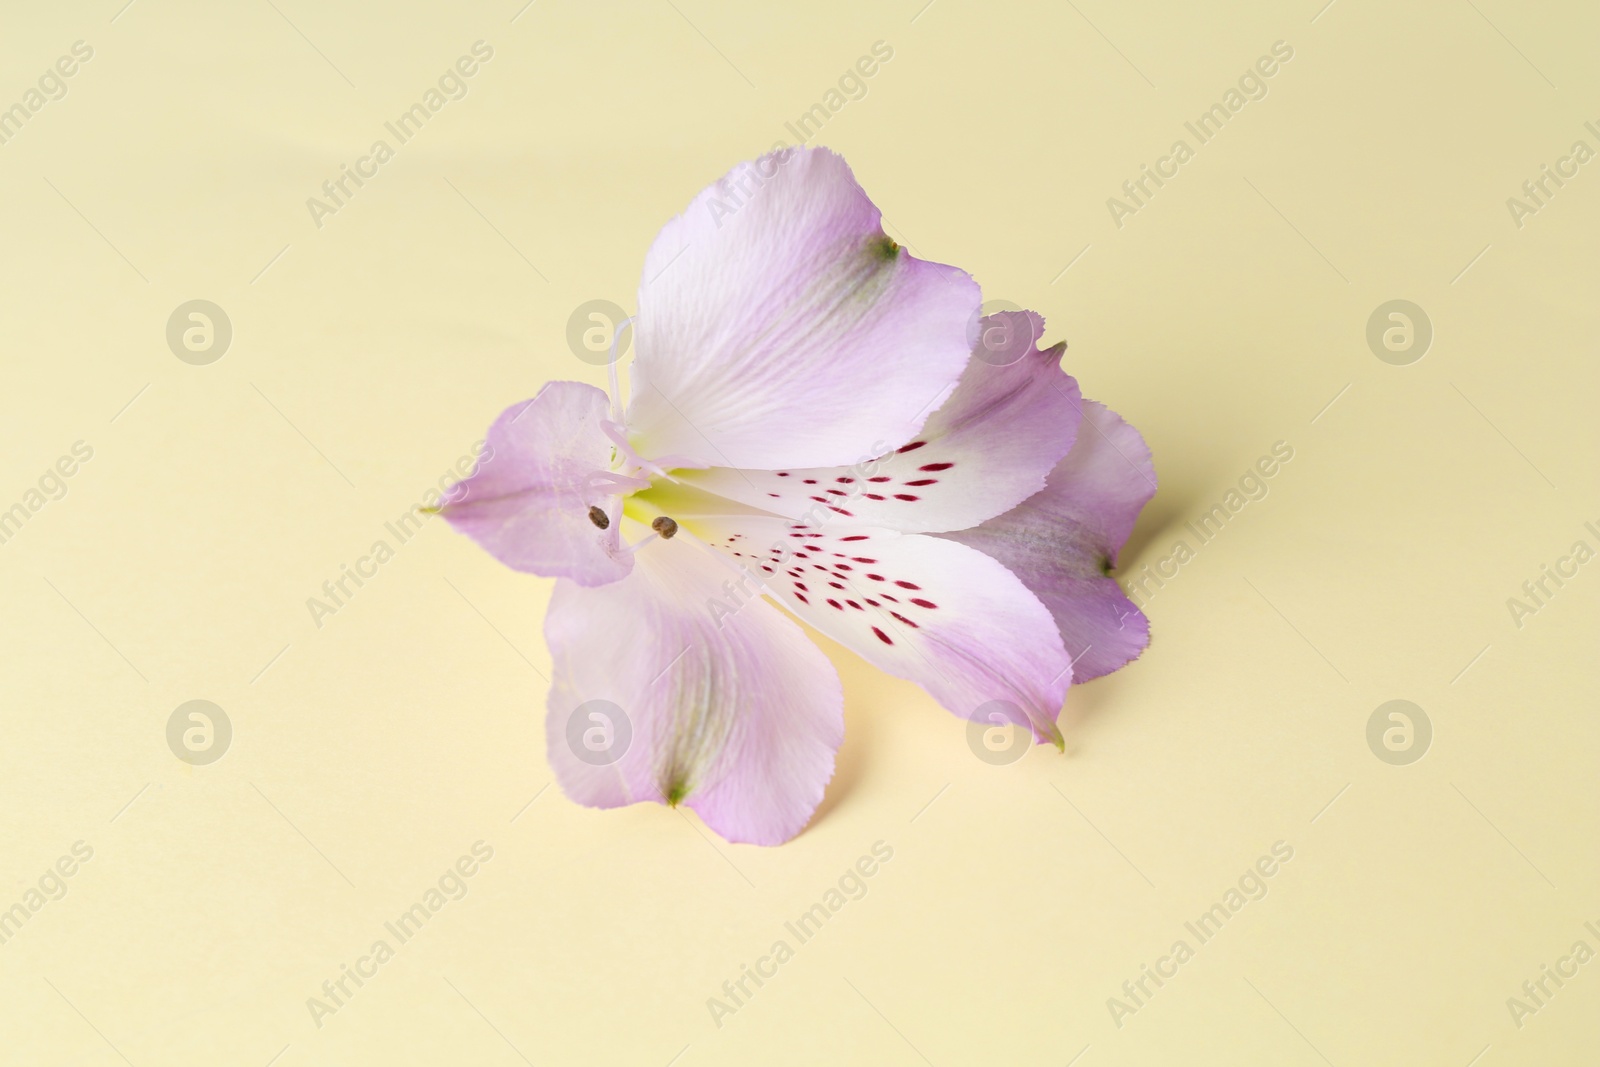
column 1011, row 419
column 922, row 608
column 779, row 326
column 528, row 501
column 735, row 714
column 1063, row 542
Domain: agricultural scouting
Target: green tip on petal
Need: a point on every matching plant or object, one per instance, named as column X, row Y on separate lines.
column 430, row 511
column 1053, row 735
column 1105, row 566
column 675, row 794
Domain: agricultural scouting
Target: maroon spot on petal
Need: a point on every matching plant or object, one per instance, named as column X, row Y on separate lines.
column 820, row 499
column 919, row 602
column 919, row 481
column 905, row 620
column 882, row 636
column 863, row 559
column 837, row 492
column 810, row 481
column 890, row 599
column 854, row 537
column 876, row 577
column 874, row 603
column 801, row 586
column 844, row 481
column 843, row 567
column 906, row 496
column 836, row 604
column 837, row 585
column 914, row 445
column 772, row 494
column 842, row 511
column 874, row 496
column 853, row 604
column 783, row 474
column 936, row 466
column 802, row 598
column 907, row 585
column 881, row 478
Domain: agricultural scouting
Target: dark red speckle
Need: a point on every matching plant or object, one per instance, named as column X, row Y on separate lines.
column 919, row 481
column 919, row 602
column 882, row 636
column 906, row 496
column 936, row 466
column 913, row 446
column 908, row 585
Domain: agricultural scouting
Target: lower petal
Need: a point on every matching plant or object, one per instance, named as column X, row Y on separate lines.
column 665, row 692
column 1064, row 541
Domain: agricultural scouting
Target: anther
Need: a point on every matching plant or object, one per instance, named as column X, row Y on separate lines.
column 599, row 517
column 664, row 526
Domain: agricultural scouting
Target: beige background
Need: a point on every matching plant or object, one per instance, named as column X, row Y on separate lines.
column 369, row 354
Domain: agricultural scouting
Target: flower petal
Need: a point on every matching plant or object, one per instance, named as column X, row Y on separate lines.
column 778, row 324
column 1063, row 542
column 1012, row 418
column 528, row 501
column 736, row 714
column 940, row 614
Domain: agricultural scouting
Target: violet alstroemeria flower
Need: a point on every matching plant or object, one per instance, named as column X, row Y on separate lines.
column 808, row 427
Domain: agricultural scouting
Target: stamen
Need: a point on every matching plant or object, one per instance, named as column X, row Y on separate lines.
column 664, row 526
column 611, row 368
column 600, row 479
column 599, row 517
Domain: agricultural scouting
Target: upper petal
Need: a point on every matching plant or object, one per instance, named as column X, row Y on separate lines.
column 735, row 714
column 528, row 501
column 1011, row 419
column 1063, row 542
column 940, row 614
column 778, row 325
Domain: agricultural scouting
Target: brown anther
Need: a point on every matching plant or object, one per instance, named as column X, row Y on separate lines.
column 664, row 526
column 599, row 517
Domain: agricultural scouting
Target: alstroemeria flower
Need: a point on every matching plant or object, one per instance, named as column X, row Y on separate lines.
column 808, row 432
